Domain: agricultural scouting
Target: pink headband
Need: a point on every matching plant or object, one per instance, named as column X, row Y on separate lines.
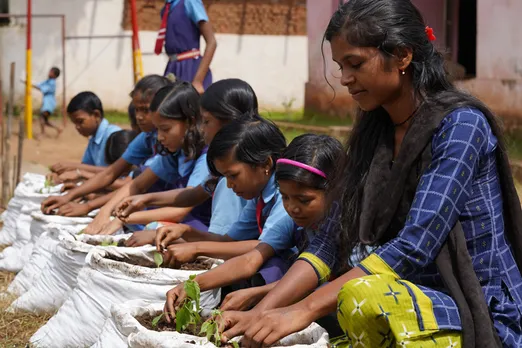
column 302, row 165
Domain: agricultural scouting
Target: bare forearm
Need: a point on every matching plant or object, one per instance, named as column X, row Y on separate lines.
column 96, row 183
column 119, row 183
column 225, row 251
column 324, row 300
column 210, row 49
column 160, row 214
column 297, row 283
column 194, row 235
column 89, row 168
column 100, row 201
column 181, row 198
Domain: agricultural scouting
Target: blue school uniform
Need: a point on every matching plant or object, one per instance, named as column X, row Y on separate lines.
column 277, row 230
column 141, row 148
column 226, row 208
column 182, row 35
column 175, row 169
column 95, row 152
column 48, row 89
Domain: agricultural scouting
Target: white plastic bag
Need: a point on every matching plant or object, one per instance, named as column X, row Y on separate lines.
column 104, row 282
column 31, row 224
column 123, row 329
column 58, row 278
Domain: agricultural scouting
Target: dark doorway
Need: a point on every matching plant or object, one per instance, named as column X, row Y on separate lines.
column 467, row 47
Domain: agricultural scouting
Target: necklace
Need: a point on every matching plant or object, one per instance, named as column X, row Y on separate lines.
column 406, row 120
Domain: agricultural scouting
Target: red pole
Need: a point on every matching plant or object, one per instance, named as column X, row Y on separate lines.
column 138, row 65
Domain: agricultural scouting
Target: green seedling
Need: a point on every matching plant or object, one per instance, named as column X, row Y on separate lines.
column 109, row 243
column 187, row 315
column 158, row 259
column 156, row 320
column 210, row 328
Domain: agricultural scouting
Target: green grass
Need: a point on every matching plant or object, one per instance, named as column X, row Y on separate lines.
column 117, row 117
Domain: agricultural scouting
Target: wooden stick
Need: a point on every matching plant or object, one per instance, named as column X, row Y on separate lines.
column 20, row 149
column 13, row 186
column 5, row 154
column 10, row 115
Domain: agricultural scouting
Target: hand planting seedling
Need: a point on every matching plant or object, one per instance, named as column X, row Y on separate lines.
column 48, row 184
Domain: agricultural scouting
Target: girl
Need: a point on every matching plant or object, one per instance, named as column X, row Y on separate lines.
column 244, row 152
column 221, row 103
column 183, row 161
column 139, row 150
column 427, row 180
column 303, row 174
column 183, row 23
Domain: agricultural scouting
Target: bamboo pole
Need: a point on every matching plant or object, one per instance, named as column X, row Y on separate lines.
column 20, row 149
column 10, row 116
column 28, row 81
column 5, row 153
column 136, row 57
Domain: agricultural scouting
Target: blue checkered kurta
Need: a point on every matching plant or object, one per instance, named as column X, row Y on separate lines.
column 462, row 184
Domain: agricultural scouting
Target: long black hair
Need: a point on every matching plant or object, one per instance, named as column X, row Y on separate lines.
column 229, row 99
column 149, row 85
column 180, row 101
column 117, row 143
column 390, row 26
column 253, row 141
column 318, row 151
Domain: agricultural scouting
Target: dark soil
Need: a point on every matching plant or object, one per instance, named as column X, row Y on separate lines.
column 198, row 265
column 121, row 242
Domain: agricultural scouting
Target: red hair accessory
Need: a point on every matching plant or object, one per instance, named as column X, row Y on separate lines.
column 429, row 33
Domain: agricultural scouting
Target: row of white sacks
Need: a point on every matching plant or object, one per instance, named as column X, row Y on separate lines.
column 93, row 292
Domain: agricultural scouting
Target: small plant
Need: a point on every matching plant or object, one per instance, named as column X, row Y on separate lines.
column 48, row 184
column 158, row 259
column 109, row 243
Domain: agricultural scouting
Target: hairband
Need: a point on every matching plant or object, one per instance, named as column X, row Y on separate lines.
column 429, row 33
column 302, row 165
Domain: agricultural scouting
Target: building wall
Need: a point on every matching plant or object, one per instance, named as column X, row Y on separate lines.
column 499, row 57
column 275, row 65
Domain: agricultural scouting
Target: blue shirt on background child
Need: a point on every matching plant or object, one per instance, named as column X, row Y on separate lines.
column 48, row 89
column 95, row 153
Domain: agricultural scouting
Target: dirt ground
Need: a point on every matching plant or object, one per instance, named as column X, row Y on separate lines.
column 39, row 154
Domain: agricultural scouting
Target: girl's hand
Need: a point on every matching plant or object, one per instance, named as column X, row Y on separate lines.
column 198, row 86
column 274, row 325
column 168, row 234
column 179, row 254
column 72, row 209
column 97, row 225
column 52, row 177
column 112, row 227
column 71, row 175
column 233, row 324
column 61, row 167
column 130, row 205
column 174, row 297
column 140, row 238
column 52, row 203
column 241, row 300
column 68, row 186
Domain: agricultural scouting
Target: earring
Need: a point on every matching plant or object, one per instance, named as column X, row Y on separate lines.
column 403, row 72
column 266, row 172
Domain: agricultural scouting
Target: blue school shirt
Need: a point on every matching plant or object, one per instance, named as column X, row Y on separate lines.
column 141, row 148
column 48, row 89
column 194, row 9
column 95, row 152
column 226, row 208
column 278, row 229
column 173, row 168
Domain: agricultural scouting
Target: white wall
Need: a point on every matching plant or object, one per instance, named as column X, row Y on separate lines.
column 276, row 66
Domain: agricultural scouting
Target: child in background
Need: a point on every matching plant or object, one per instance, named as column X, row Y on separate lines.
column 48, row 89
column 183, row 23
column 257, row 246
column 182, row 161
column 138, row 151
column 223, row 102
column 86, row 112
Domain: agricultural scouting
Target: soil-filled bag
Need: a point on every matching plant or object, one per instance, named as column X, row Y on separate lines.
column 30, row 192
column 16, row 257
column 58, row 278
column 130, row 326
column 111, row 276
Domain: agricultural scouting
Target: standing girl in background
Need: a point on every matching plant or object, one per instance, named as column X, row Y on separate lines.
column 182, row 24
column 428, row 182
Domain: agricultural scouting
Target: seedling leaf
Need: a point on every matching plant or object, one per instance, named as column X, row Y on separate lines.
column 182, row 318
column 156, row 320
column 235, row 344
column 192, row 289
column 158, row 259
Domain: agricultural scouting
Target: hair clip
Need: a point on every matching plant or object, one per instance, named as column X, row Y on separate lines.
column 429, row 33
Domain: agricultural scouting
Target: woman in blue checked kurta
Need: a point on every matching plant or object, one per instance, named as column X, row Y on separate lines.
column 427, row 182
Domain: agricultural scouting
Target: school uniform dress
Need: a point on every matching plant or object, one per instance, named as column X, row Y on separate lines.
column 226, row 206
column 95, row 153
column 403, row 300
column 175, row 169
column 183, row 35
column 48, row 89
column 265, row 218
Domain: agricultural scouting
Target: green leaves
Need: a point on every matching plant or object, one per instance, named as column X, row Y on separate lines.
column 235, row 344
column 158, row 259
column 192, row 289
column 156, row 320
column 108, row 243
column 183, row 318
